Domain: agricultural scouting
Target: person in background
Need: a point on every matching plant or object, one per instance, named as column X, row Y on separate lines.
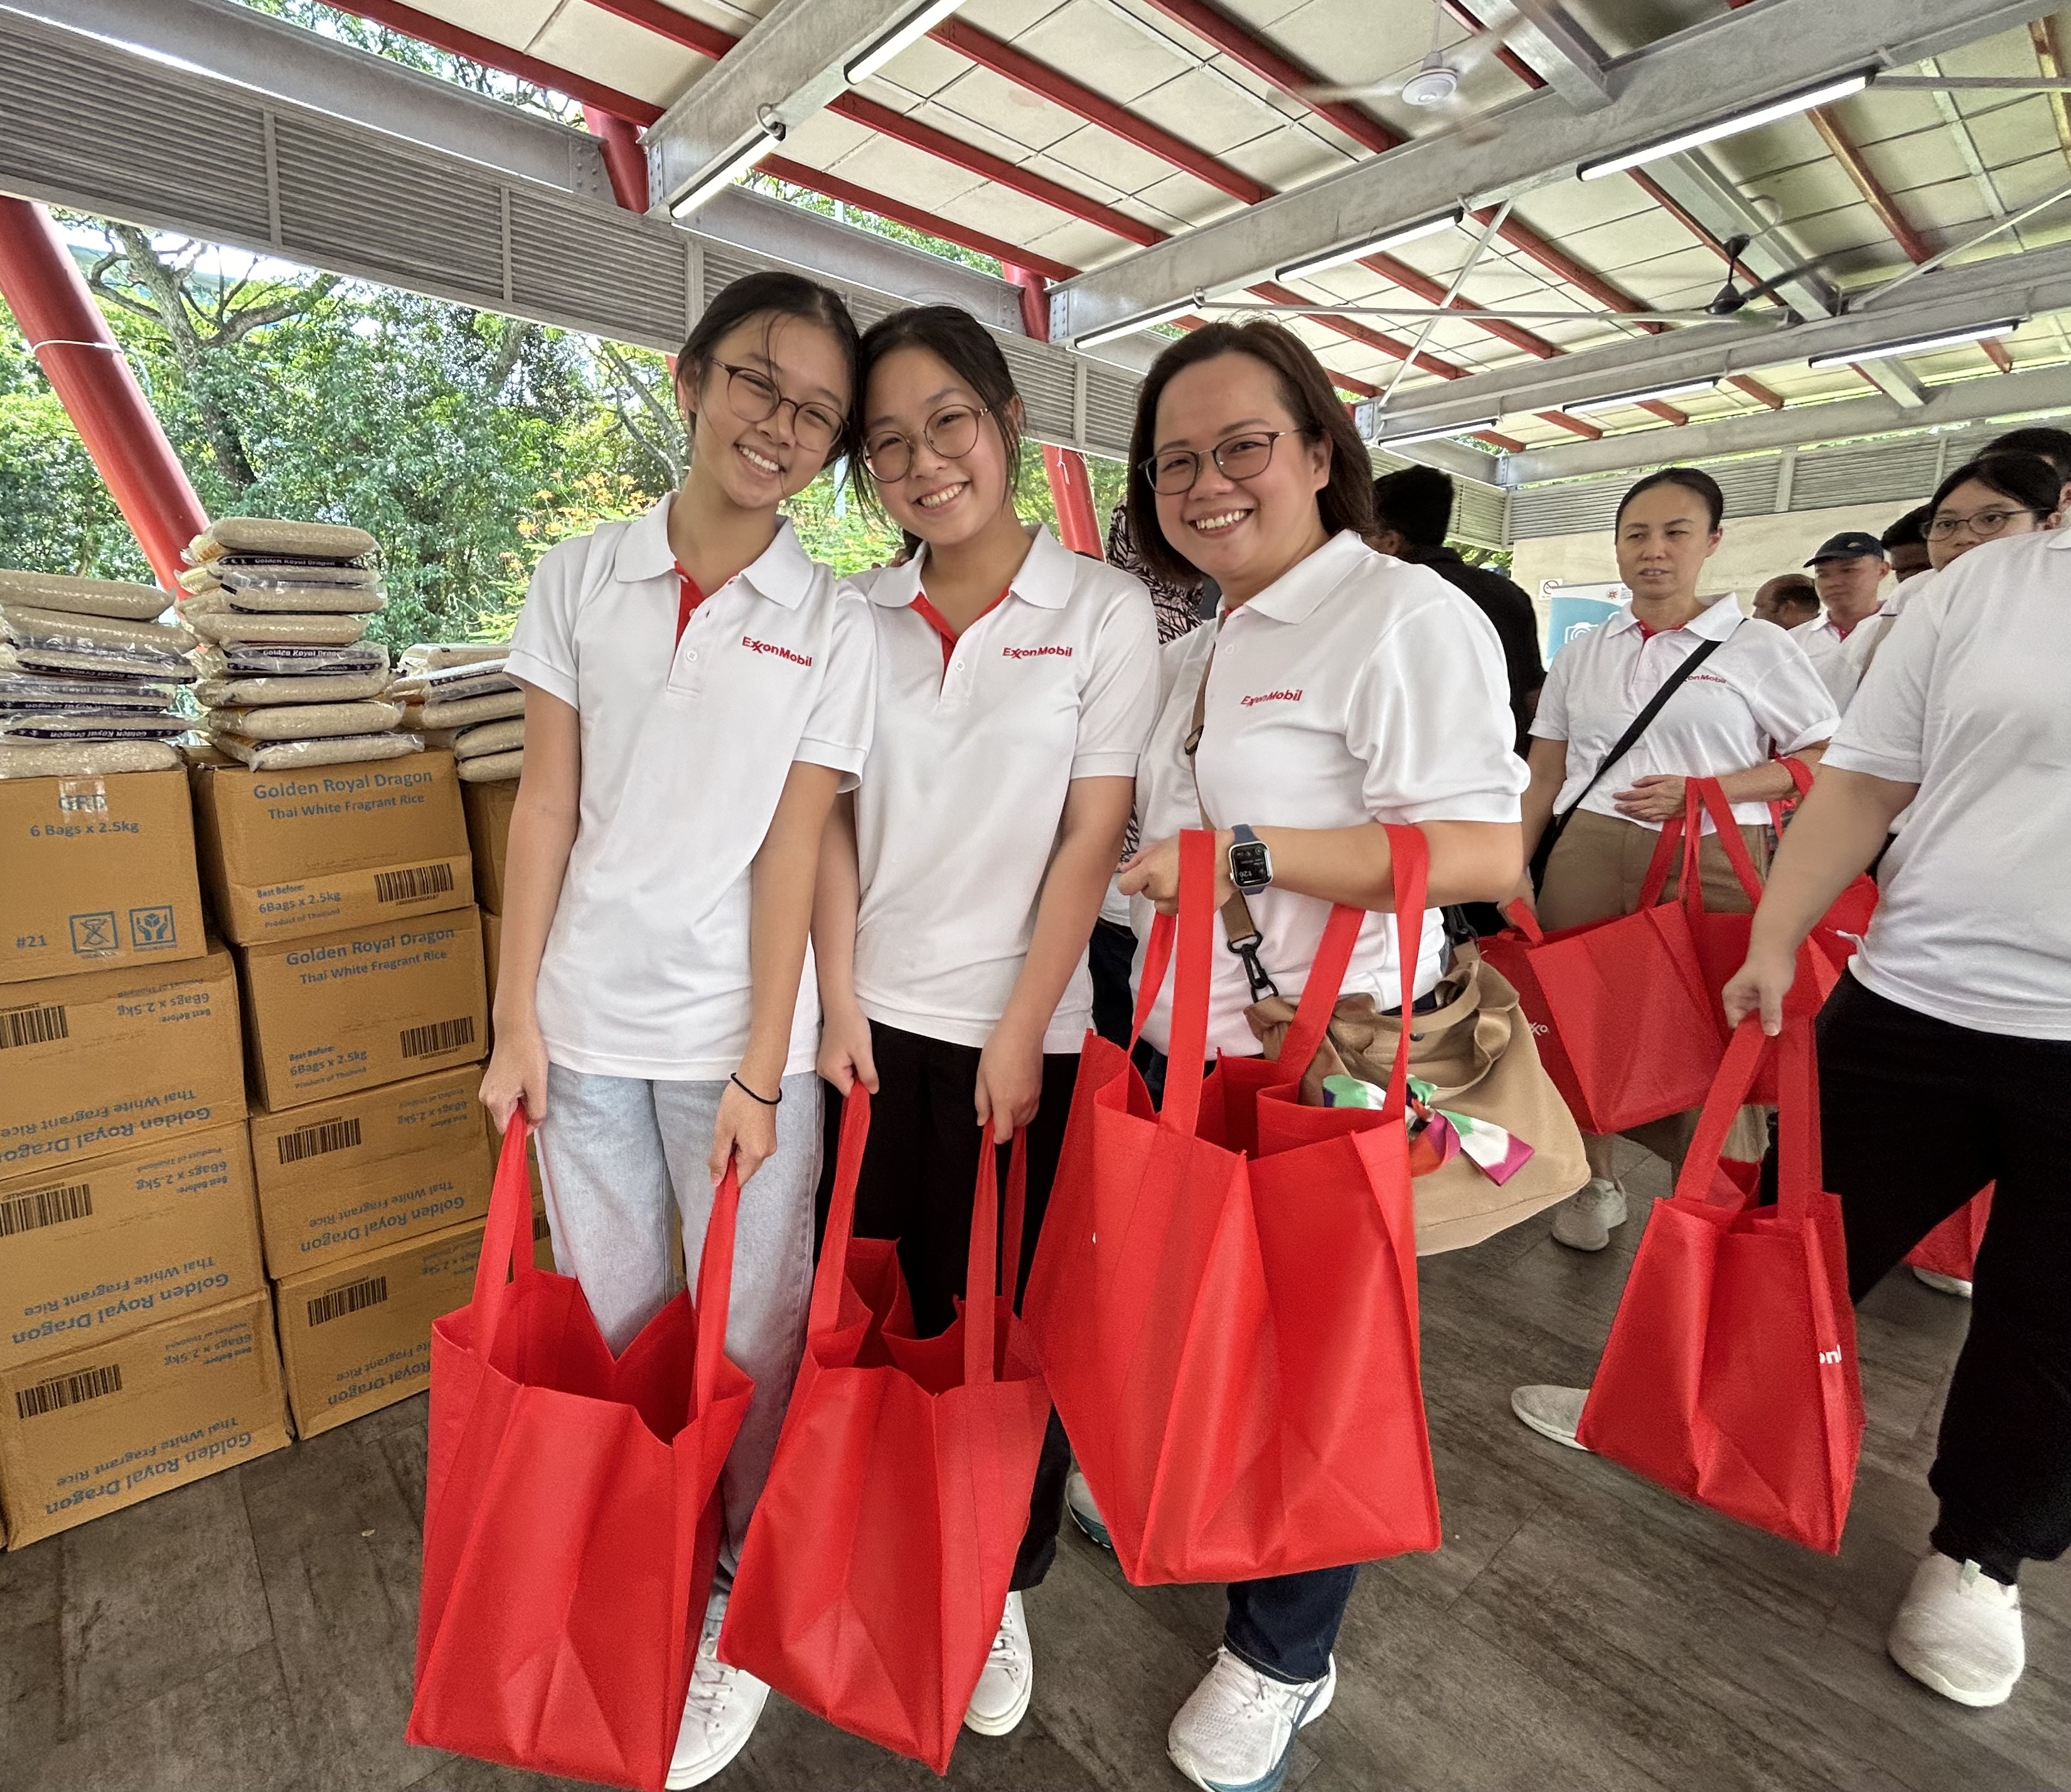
column 1906, row 545
column 1412, row 511
column 1994, row 496
column 1849, row 569
column 2052, row 444
column 1787, row 599
column 1757, row 697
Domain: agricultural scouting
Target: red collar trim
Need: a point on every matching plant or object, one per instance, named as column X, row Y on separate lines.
column 940, row 623
column 688, row 598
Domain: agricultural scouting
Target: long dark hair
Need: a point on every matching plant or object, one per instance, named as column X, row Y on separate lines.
column 1345, row 502
column 2027, row 480
column 1690, row 479
column 966, row 347
column 773, row 293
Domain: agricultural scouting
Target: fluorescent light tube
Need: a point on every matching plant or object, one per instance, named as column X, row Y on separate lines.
column 1612, row 399
column 1918, row 344
column 722, row 174
column 1445, row 434
column 916, row 26
column 1803, row 100
column 1371, row 245
column 1129, row 326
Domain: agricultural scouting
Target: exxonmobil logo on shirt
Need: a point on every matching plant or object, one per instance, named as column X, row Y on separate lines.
column 1293, row 696
column 755, row 646
column 1035, row 652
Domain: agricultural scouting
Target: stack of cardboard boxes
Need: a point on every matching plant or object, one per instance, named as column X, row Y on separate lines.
column 145, row 1200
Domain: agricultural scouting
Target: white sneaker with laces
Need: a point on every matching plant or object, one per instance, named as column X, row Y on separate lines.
column 1941, row 1284
column 1000, row 1700
column 1957, row 1632
column 1236, row 1732
column 1086, row 1514
column 1583, row 1221
column 720, row 1713
column 1554, row 1412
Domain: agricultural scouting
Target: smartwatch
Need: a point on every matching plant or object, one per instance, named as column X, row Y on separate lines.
column 1250, row 860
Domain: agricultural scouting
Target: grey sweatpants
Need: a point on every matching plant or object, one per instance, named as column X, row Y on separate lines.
column 614, row 1153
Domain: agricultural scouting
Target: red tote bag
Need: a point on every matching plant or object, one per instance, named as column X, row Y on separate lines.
column 1730, row 1374
column 877, row 1563
column 1228, row 1324
column 1952, row 1248
column 571, row 1509
column 1620, row 1008
column 1836, row 932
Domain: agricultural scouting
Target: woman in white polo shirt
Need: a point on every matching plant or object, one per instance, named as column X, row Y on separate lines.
column 960, row 882
column 1755, row 695
column 1343, row 689
column 697, row 689
column 1945, row 1057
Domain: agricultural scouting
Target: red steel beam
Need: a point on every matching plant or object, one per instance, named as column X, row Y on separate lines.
column 78, row 354
column 624, row 160
column 1071, row 490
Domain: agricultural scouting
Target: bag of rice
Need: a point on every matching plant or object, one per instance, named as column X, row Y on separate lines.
column 58, row 591
column 288, row 755
column 304, row 721
column 236, row 627
column 493, row 767
column 273, row 538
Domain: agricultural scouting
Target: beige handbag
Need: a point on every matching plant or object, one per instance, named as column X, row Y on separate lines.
column 1475, row 1047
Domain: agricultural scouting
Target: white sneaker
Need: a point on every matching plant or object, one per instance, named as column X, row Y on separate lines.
column 1583, row 1221
column 1236, row 1732
column 1000, row 1700
column 719, row 1715
column 1078, row 1503
column 1941, row 1284
column 1959, row 1632
column 1554, row 1412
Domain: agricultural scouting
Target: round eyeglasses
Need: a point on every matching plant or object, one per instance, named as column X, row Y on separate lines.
column 1983, row 524
column 1242, row 456
column 951, row 433
column 753, row 397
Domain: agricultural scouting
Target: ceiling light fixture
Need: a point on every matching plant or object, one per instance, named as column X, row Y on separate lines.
column 1802, row 101
column 1379, row 244
column 1129, row 326
column 1918, row 344
column 916, row 25
column 1445, row 434
column 768, row 135
column 1611, row 400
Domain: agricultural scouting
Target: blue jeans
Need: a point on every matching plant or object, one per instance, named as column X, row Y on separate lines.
column 1283, row 1626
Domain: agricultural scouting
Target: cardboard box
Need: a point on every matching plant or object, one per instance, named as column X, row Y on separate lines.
column 492, row 944
column 102, row 1428
column 286, row 855
column 345, row 1011
column 340, row 1178
column 489, row 807
column 99, row 1250
column 111, row 1058
column 101, row 871
column 357, row 1335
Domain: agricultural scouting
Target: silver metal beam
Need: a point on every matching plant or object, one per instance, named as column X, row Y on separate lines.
column 788, row 66
column 1557, row 43
column 1696, row 182
column 2002, row 395
column 1951, row 298
column 1896, row 381
column 1725, row 65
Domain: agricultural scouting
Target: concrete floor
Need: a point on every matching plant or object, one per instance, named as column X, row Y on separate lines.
column 1579, row 1628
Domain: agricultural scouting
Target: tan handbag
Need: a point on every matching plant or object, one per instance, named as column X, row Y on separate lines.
column 1475, row 1047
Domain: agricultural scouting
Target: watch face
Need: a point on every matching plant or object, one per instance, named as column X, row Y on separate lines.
column 1250, row 863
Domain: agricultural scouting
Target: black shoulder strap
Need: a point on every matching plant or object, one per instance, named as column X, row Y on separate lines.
column 1624, row 744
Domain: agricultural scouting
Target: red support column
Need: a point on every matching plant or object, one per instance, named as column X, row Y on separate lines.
column 1071, row 487
column 624, row 160
column 78, row 356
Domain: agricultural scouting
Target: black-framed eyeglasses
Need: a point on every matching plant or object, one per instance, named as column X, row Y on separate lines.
column 1240, row 456
column 952, row 433
column 753, row 397
column 1983, row 524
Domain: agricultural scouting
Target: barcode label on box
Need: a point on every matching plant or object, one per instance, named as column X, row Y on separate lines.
column 32, row 1026
column 414, row 884
column 311, row 1142
column 45, row 1207
column 439, row 1035
column 68, row 1390
column 355, row 1297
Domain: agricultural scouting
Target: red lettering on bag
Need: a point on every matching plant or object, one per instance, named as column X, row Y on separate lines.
column 1274, row 697
column 1035, row 652
column 755, row 646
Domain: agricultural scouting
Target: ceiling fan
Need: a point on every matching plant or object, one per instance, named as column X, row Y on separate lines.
column 1434, row 86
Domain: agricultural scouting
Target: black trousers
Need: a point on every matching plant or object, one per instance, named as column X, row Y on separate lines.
column 1917, row 1115
column 919, row 1171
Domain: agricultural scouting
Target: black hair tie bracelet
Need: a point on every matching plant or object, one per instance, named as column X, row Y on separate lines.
column 767, row 1100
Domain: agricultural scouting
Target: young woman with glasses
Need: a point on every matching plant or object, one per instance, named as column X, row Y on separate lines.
column 697, row 690
column 1993, row 497
column 961, row 881
column 1340, row 689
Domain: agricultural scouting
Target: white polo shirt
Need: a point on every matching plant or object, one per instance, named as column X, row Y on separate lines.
column 974, row 753
column 684, row 756
column 1967, row 698
column 1354, row 688
column 1861, row 645
column 1756, row 695
column 1827, row 649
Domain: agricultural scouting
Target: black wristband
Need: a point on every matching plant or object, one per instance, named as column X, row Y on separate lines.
column 767, row 1100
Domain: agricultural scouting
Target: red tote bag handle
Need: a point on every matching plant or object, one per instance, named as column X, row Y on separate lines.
column 824, row 1313
column 1707, row 796
column 509, row 1217
column 991, row 1271
column 1744, row 1053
